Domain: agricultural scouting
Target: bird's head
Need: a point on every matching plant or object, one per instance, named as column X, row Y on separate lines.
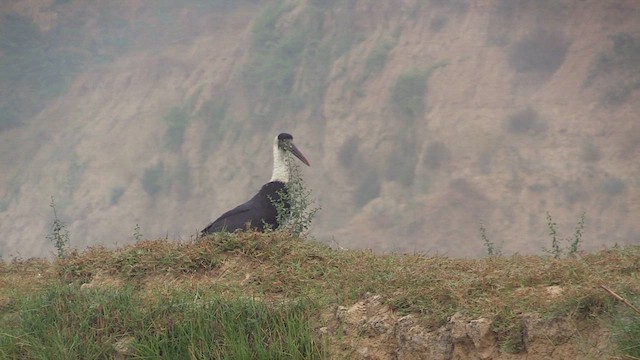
column 283, row 144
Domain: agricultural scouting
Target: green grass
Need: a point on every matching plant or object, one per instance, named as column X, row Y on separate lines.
column 230, row 295
column 65, row 322
column 626, row 332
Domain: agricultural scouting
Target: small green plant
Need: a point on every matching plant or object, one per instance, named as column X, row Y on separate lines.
column 553, row 232
column 488, row 244
column 574, row 244
column 137, row 234
column 577, row 236
column 295, row 206
column 59, row 235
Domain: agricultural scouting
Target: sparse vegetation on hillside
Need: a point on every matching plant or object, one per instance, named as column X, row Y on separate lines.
column 367, row 188
column 181, row 180
column 362, row 174
column 38, row 64
column 377, row 59
column 116, row 194
column 74, row 174
column 407, row 96
column 590, row 152
column 613, row 186
column 542, row 52
column 437, row 155
column 152, row 179
column 33, row 68
column 290, row 60
column 156, row 293
column 526, row 121
column 400, row 164
column 177, row 119
column 12, row 192
column 348, row 154
column 623, row 62
column 214, row 113
column 373, row 65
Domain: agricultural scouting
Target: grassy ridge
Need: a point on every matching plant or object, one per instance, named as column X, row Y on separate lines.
column 229, row 295
column 61, row 322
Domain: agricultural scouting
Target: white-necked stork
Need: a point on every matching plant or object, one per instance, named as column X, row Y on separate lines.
column 260, row 211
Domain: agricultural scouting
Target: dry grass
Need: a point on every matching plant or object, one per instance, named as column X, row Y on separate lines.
column 276, row 266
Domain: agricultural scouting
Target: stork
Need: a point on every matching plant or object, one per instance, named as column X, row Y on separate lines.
column 260, row 211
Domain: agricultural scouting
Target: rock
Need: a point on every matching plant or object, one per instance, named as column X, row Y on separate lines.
column 472, row 338
column 541, row 336
column 122, row 348
column 554, row 291
column 414, row 342
column 480, row 333
column 459, row 328
column 86, row 286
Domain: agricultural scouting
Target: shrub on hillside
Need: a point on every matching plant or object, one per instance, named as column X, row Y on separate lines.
column 526, row 121
column 151, row 179
column 407, row 95
column 542, row 52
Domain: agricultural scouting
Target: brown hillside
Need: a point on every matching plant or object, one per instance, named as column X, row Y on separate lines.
column 421, row 119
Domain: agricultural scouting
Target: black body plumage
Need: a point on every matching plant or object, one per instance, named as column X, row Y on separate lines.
column 255, row 214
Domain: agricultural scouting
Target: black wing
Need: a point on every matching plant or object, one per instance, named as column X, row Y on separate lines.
column 256, row 212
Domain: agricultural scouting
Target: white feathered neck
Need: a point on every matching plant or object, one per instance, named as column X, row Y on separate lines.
column 280, row 164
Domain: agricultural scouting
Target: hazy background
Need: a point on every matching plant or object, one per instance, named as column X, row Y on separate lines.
column 421, row 119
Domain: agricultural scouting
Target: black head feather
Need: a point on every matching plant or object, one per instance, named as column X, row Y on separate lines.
column 285, row 136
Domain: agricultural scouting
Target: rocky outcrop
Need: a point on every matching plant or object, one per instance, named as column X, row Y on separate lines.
column 370, row 330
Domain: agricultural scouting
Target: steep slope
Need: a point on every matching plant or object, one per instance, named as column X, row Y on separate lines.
column 421, row 121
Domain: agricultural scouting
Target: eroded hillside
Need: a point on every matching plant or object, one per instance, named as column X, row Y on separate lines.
column 421, row 119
